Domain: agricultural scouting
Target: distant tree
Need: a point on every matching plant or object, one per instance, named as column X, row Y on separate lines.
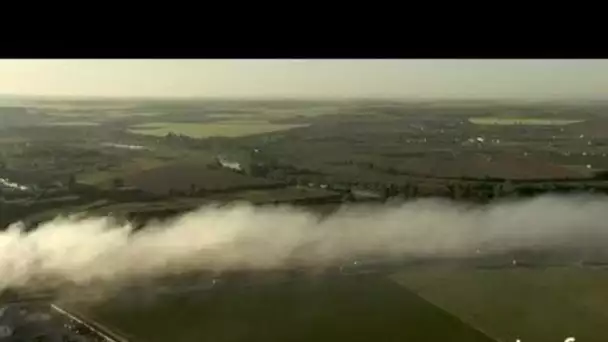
column 391, row 170
column 413, row 191
column 393, row 190
column 589, row 189
column 603, row 175
column 118, row 182
column 452, row 188
column 386, row 192
column 507, row 187
column 349, row 196
column 259, row 170
column 467, row 191
column 404, row 190
column 277, row 174
column 526, row 191
column 71, row 181
column 498, row 191
column 458, row 190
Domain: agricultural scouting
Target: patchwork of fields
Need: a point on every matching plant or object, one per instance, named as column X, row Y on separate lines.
column 365, row 147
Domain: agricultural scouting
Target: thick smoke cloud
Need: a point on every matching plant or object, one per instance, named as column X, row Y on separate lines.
column 241, row 236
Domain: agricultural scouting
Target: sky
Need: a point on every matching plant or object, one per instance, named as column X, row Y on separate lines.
column 380, row 78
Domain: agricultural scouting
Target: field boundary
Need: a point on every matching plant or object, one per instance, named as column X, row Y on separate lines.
column 463, row 321
column 94, row 326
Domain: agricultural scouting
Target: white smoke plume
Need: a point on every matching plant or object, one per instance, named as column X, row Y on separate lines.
column 241, row 236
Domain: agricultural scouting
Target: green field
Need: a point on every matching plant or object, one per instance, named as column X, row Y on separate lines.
column 72, row 123
column 12, row 140
column 275, row 114
column 539, row 305
column 181, row 176
column 270, row 195
column 215, row 129
column 355, row 308
column 104, row 177
column 521, row 121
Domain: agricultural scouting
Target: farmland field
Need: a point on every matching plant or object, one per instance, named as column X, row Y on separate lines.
column 269, row 195
column 12, row 140
column 355, row 308
column 522, row 121
column 137, row 165
column 540, row 305
column 182, row 176
column 72, row 123
column 100, row 115
column 215, row 129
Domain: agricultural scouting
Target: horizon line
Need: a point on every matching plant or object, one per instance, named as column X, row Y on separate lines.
column 71, row 97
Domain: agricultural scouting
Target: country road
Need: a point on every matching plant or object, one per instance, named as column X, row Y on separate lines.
column 99, row 329
column 33, row 320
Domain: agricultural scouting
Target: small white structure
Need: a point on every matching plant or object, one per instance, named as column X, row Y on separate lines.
column 229, row 165
column 125, row 146
column 8, row 184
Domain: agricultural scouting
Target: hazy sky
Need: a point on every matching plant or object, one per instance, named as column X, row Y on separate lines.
column 534, row 79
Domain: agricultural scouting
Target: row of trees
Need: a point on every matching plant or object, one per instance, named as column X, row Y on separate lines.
column 473, row 191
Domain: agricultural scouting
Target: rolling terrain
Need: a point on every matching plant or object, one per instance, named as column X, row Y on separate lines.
column 145, row 160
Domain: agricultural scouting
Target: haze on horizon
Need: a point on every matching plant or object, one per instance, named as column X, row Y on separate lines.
column 314, row 78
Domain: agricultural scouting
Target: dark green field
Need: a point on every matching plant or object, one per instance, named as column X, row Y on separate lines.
column 537, row 305
column 346, row 308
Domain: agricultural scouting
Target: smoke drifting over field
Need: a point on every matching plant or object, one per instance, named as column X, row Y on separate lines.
column 245, row 237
